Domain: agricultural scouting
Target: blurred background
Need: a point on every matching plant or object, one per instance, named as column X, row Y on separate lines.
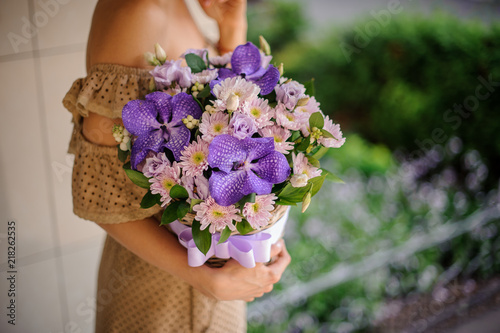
column 410, row 242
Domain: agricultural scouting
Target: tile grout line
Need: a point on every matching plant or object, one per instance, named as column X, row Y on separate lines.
column 60, row 278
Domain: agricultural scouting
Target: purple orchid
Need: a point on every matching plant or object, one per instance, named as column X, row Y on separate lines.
column 251, row 165
column 157, row 123
column 246, row 61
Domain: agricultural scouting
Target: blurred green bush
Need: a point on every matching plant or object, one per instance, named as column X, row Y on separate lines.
column 409, row 86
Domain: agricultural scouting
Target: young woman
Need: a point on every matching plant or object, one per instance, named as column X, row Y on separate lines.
column 145, row 283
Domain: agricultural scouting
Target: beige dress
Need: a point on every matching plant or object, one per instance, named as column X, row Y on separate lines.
column 132, row 295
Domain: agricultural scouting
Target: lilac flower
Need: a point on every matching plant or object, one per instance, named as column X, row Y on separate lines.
column 244, row 166
column 155, row 164
column 171, row 72
column 290, row 93
column 157, row 123
column 246, row 62
column 242, row 126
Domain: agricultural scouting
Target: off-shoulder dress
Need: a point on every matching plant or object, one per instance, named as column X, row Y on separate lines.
column 132, row 295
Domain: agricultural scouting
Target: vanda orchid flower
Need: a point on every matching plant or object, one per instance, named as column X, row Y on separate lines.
column 246, row 62
column 157, row 123
column 241, row 167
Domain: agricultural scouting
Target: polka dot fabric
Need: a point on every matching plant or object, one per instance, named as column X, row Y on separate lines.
column 132, row 295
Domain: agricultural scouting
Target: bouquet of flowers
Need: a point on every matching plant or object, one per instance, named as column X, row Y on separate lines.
column 224, row 145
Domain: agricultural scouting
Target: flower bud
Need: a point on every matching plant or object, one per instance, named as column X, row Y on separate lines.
column 152, row 84
column 151, row 59
column 281, row 69
column 123, row 146
column 264, row 45
column 160, row 53
column 299, row 180
column 232, row 102
column 306, row 201
column 303, row 101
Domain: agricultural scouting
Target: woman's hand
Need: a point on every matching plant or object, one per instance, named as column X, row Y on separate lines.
column 235, row 282
column 230, row 12
column 231, row 18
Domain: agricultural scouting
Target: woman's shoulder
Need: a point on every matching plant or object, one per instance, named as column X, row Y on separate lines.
column 122, row 30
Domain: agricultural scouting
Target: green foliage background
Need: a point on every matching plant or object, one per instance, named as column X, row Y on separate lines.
column 401, row 179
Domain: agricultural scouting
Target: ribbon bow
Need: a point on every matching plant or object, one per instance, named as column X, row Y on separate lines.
column 247, row 250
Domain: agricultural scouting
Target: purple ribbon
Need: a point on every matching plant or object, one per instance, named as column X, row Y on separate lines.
column 247, row 250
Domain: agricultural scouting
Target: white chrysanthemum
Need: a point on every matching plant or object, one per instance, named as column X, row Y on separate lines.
column 260, row 111
column 234, row 93
column 214, row 124
column 280, row 136
column 194, row 159
column 334, row 129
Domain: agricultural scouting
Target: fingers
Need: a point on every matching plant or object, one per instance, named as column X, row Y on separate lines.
column 277, row 247
column 282, row 261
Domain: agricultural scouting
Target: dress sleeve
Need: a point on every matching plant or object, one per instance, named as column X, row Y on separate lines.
column 101, row 190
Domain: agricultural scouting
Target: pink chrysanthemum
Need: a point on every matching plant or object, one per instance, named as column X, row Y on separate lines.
column 221, row 60
column 258, row 213
column 289, row 120
column 155, row 165
column 162, row 183
column 205, row 76
column 260, row 111
column 214, row 124
column 311, row 107
column 194, row 158
column 209, row 213
column 234, row 93
column 338, row 140
column 302, row 170
column 280, row 136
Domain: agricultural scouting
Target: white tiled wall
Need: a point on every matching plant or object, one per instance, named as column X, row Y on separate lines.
column 42, row 50
column 57, row 253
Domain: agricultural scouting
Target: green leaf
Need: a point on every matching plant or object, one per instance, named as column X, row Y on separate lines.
column 205, row 92
column 302, row 146
column 296, row 194
column 320, row 152
column 202, row 238
column 149, row 200
column 194, row 202
column 331, row 177
column 244, row 227
column 327, row 134
column 122, row 154
column 224, row 235
column 127, row 165
column 182, row 210
column 247, row 198
column 295, row 135
column 170, row 213
column 178, row 192
column 137, row 178
column 310, row 90
column 195, row 63
column 314, row 162
column 282, row 202
column 316, row 120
